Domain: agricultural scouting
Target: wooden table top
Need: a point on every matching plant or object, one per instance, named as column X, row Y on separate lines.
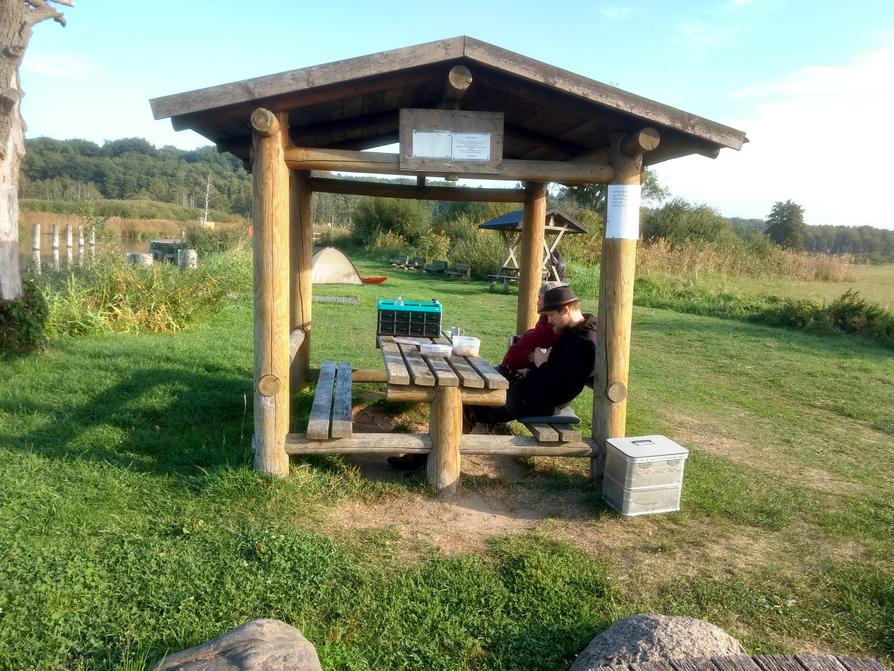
column 405, row 365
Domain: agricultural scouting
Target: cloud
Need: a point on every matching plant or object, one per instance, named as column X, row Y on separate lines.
column 817, row 136
column 616, row 12
column 58, row 65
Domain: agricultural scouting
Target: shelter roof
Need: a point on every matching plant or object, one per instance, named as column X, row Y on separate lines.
column 512, row 221
column 549, row 113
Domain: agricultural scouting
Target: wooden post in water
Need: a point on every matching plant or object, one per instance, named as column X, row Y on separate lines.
column 93, row 243
column 55, row 246
column 35, row 247
column 80, row 245
column 445, row 427
column 531, row 262
column 69, row 254
column 616, row 289
column 301, row 240
column 270, row 192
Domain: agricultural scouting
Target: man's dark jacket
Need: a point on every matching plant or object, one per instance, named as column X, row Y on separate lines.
column 571, row 364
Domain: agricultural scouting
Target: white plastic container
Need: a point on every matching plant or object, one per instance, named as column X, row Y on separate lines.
column 434, row 349
column 643, row 474
column 466, row 346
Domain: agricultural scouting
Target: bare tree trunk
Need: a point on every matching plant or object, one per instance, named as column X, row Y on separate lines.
column 17, row 18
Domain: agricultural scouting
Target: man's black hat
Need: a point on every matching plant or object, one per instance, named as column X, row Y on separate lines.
column 557, row 298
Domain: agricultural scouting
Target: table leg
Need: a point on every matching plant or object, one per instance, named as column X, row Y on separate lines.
column 445, row 427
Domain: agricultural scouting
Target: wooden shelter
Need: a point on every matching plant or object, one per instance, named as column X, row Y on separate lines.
column 556, row 225
column 458, row 107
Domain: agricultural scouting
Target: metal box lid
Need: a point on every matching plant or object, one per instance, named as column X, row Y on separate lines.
column 648, row 448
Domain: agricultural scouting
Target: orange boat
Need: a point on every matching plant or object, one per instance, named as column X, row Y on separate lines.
column 374, row 280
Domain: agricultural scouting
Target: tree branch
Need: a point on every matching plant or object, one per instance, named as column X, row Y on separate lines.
column 41, row 11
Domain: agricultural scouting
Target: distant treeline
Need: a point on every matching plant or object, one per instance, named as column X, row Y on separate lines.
column 134, row 169
column 874, row 244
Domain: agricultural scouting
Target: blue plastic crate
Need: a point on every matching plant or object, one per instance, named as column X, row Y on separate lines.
column 409, row 318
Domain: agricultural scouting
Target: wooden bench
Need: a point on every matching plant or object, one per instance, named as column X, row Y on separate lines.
column 399, row 261
column 460, row 270
column 436, row 266
column 559, row 428
column 331, row 416
column 416, row 263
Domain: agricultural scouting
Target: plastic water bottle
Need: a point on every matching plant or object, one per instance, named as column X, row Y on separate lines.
column 398, row 301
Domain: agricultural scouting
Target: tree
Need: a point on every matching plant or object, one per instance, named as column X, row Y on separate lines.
column 680, row 221
column 17, row 19
column 592, row 196
column 785, row 225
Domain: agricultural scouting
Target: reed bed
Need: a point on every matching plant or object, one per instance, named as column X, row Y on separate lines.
column 757, row 260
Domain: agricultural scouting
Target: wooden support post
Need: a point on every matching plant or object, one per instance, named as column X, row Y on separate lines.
column 301, row 240
column 270, row 192
column 35, row 247
column 616, row 293
column 80, row 245
column 446, row 428
column 69, row 254
column 531, row 263
column 55, row 246
column 93, row 243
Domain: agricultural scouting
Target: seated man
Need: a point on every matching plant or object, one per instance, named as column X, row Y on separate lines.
column 555, row 380
column 520, row 355
column 557, row 376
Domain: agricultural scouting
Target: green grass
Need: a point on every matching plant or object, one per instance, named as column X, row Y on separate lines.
column 875, row 283
column 131, row 522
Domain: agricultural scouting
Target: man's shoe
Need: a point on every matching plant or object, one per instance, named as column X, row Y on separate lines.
column 408, row 462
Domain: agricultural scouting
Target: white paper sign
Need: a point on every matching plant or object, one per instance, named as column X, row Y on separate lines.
column 471, row 147
column 623, row 211
column 432, row 143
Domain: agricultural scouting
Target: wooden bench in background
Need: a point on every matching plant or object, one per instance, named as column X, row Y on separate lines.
column 460, row 270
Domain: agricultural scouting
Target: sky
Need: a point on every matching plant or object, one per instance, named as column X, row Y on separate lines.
column 810, row 82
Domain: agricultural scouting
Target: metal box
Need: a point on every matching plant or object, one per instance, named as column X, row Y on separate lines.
column 643, row 474
column 409, row 318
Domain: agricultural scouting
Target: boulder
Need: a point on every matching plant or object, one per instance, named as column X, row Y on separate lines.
column 258, row 645
column 646, row 638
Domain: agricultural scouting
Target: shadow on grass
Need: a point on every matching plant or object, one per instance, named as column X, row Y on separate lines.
column 156, row 420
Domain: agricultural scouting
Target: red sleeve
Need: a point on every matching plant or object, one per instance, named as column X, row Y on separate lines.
column 542, row 335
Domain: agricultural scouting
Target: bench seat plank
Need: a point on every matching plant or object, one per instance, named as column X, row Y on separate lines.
column 342, row 417
column 544, row 433
column 566, row 433
column 318, row 425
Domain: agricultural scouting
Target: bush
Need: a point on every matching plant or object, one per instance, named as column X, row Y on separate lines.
column 680, row 222
column 221, row 239
column 410, row 219
column 23, row 322
column 482, row 250
column 849, row 313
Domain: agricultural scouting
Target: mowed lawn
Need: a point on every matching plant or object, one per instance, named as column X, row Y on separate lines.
column 131, row 523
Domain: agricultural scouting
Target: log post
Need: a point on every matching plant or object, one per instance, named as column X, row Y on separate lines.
column 301, row 240
column 93, row 243
column 69, row 254
column 616, row 278
column 270, row 193
column 35, row 247
column 445, row 427
column 531, row 261
column 80, row 245
column 55, row 246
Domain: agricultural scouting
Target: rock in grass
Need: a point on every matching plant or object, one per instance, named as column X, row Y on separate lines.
column 646, row 638
column 258, row 645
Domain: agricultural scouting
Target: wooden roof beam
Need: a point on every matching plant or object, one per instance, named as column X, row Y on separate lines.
column 416, row 191
column 459, row 79
column 307, row 158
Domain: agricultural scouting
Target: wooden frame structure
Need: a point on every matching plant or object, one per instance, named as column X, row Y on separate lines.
column 558, row 127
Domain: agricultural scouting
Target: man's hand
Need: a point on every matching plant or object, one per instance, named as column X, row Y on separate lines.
column 541, row 356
